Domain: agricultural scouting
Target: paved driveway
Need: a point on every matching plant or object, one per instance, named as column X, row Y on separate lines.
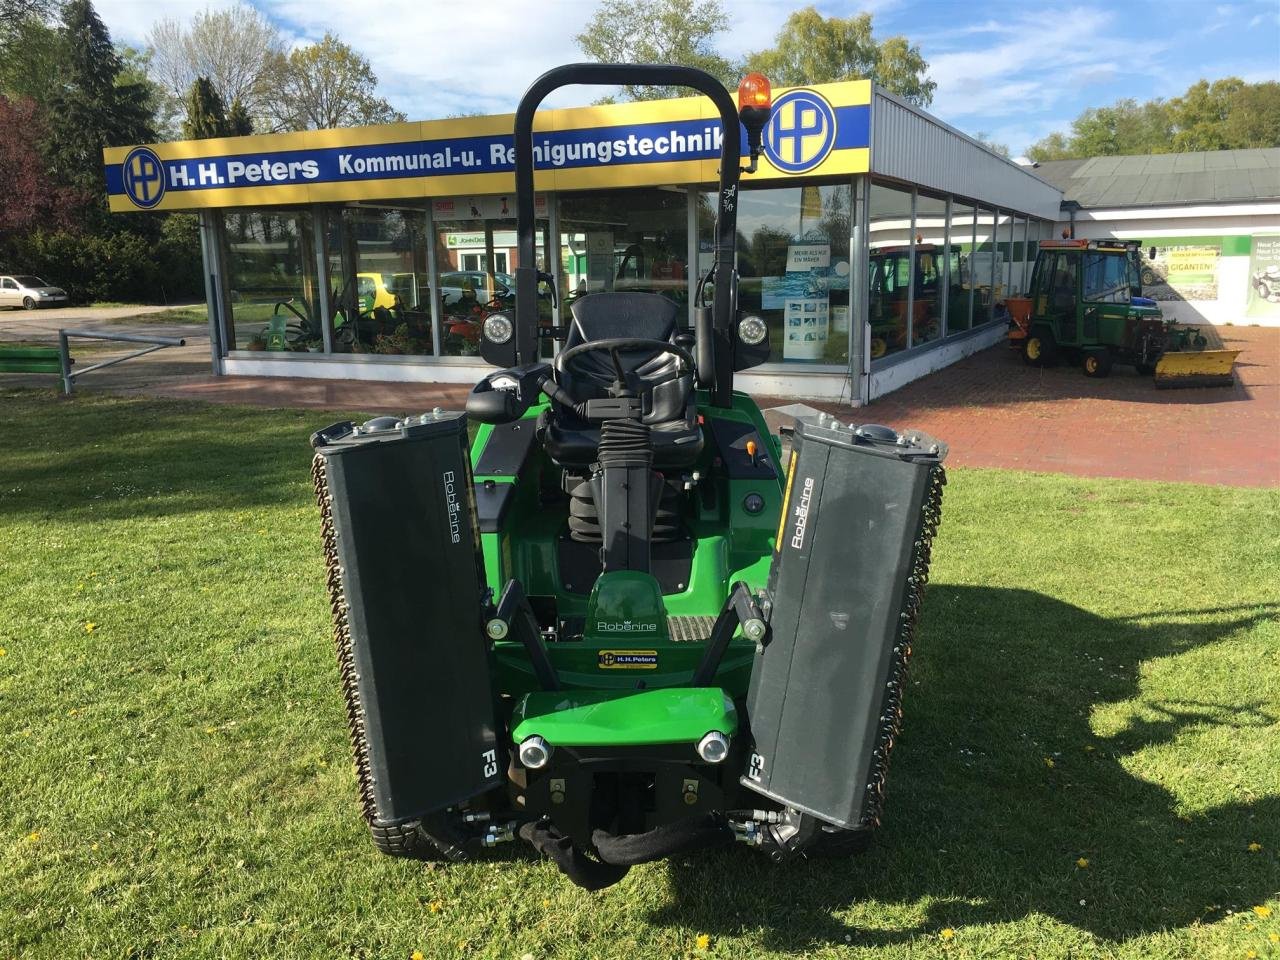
column 45, row 324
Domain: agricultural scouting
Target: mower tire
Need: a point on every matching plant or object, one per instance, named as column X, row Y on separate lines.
column 1040, row 349
column 404, row 840
column 839, row 844
column 1096, row 363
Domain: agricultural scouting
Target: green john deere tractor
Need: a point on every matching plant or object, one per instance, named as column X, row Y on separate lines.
column 614, row 626
column 1086, row 305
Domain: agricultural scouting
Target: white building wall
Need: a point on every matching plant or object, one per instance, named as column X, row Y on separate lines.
column 1200, row 220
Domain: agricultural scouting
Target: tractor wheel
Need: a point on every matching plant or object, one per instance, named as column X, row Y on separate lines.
column 1040, row 349
column 1096, row 363
column 1148, row 277
column 835, row 844
column 404, row 840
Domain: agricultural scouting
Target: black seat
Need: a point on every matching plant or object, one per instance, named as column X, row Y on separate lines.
column 667, row 395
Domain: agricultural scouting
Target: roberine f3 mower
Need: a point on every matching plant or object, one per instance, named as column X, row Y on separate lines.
column 614, row 627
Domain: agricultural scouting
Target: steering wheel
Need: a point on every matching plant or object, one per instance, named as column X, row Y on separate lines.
column 615, row 345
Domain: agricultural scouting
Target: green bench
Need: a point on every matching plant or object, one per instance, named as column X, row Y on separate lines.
column 29, row 360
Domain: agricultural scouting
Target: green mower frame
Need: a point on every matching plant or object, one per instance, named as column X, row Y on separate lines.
column 614, row 625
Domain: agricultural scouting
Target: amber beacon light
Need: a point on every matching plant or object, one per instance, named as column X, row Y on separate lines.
column 755, row 102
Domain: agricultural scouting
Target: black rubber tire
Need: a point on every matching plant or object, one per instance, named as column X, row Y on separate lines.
column 404, row 840
column 28, row 303
column 1148, row 277
column 1040, row 341
column 1096, row 363
column 839, row 844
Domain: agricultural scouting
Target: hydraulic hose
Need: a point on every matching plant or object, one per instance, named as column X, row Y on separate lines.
column 666, row 841
column 573, row 863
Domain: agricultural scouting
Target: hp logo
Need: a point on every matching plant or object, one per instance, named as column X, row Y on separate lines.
column 801, row 132
column 143, row 177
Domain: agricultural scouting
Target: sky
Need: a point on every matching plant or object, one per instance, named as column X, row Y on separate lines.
column 1014, row 72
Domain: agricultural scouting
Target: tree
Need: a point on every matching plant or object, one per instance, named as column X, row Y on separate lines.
column 92, row 107
column 235, row 49
column 658, row 31
column 326, row 84
column 239, row 123
column 811, row 48
column 1226, row 114
column 27, row 200
column 30, row 53
column 206, row 116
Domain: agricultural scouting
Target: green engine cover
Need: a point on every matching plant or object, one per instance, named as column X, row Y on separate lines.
column 626, row 608
column 601, row 718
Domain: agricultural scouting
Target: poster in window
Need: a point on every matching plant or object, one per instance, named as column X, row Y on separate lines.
column 1264, row 277
column 1179, row 270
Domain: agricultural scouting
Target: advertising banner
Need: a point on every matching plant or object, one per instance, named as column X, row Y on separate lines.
column 1264, row 276
column 1181, row 269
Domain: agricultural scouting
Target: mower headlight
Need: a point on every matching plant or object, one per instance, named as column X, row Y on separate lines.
column 498, row 328
column 752, row 331
column 712, row 748
column 534, row 752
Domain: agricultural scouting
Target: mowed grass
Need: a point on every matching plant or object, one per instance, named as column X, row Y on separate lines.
column 1090, row 764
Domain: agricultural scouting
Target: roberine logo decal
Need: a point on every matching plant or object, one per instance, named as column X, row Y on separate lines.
column 801, row 131
column 143, row 176
column 628, row 659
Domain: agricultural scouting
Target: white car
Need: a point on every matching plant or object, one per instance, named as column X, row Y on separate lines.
column 24, row 290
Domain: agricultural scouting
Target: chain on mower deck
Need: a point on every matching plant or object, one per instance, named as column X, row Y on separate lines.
column 891, row 709
column 400, row 839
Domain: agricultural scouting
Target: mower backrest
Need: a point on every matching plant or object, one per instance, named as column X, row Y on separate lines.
column 604, row 316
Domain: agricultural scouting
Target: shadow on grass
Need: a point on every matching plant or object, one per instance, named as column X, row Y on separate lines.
column 980, row 829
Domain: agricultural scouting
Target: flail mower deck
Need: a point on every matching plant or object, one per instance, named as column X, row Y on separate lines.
column 614, row 625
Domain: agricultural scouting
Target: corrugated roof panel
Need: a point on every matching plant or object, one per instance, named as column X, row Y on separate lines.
column 909, row 145
column 1194, row 186
column 1252, row 159
column 1160, row 163
column 1103, row 167
column 1266, row 183
column 1232, row 185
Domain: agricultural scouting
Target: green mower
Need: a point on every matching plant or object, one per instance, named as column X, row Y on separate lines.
column 614, row 625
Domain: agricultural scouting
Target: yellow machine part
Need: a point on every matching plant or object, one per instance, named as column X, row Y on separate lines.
column 1196, row 368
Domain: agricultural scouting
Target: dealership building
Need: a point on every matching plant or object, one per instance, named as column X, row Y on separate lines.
column 1208, row 223
column 374, row 252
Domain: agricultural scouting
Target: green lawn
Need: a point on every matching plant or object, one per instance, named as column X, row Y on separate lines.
column 1090, row 750
column 193, row 313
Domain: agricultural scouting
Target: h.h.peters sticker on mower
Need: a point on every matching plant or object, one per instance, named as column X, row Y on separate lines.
column 628, row 660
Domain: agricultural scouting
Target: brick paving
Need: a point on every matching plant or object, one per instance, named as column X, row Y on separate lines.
column 991, row 409
column 995, row 411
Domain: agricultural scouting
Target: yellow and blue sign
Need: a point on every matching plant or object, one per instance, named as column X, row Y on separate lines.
column 822, row 131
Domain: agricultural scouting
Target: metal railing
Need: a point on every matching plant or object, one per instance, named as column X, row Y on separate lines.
column 64, row 351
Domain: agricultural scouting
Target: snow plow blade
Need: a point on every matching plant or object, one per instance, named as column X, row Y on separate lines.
column 1196, row 368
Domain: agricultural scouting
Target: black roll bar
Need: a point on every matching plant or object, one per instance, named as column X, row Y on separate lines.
column 723, row 273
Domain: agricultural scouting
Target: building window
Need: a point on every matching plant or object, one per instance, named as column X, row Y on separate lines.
column 960, row 286
column 793, row 260
column 625, row 240
column 889, row 269
column 271, row 285
column 930, row 301
column 378, row 271
column 985, row 265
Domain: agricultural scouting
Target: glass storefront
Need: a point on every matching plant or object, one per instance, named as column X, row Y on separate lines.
column 930, row 307
column 271, row 290
column 889, row 269
column 793, row 260
column 629, row 240
column 418, row 278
